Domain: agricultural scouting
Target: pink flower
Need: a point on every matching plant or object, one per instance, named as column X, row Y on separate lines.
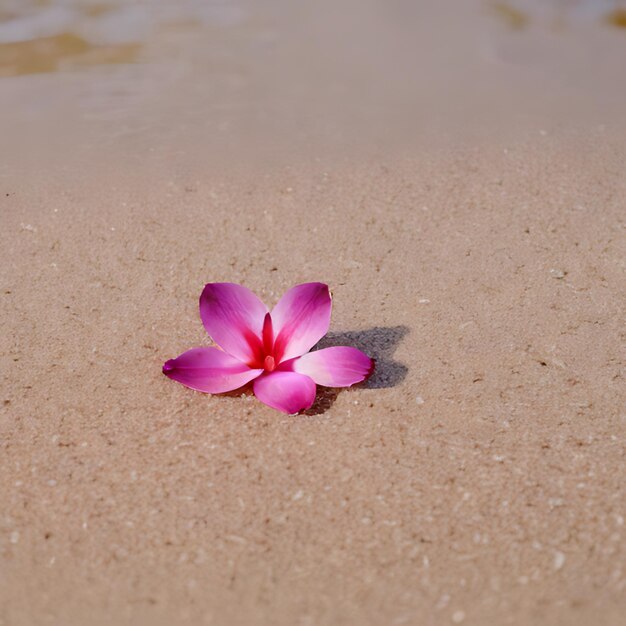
column 271, row 349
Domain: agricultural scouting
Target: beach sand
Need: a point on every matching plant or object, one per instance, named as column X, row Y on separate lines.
column 477, row 478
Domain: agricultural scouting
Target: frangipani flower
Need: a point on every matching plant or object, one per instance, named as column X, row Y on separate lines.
column 271, row 349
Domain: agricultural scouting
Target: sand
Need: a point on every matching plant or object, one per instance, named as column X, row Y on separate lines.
column 477, row 478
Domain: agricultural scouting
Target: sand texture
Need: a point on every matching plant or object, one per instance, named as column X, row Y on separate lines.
column 456, row 172
column 477, row 478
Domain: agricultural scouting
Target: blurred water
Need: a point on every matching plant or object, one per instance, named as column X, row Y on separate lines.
column 238, row 76
column 107, row 22
column 51, row 35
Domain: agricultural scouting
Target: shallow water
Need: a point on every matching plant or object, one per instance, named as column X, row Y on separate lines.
column 222, row 77
column 46, row 36
column 56, row 35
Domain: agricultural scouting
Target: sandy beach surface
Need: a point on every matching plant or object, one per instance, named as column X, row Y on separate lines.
column 457, row 176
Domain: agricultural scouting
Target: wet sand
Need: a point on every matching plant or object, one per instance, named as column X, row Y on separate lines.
column 477, row 478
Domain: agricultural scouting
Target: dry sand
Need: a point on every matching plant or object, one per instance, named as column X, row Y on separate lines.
column 478, row 478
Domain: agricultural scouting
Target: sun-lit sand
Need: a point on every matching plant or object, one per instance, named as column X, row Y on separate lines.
column 456, row 177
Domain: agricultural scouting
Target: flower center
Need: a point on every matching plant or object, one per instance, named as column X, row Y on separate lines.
column 269, row 363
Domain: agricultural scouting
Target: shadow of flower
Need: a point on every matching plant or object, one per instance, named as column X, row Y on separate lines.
column 324, row 399
column 380, row 343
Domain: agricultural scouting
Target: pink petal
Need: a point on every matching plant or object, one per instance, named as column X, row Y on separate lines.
column 339, row 366
column 209, row 370
column 288, row 392
column 233, row 317
column 300, row 319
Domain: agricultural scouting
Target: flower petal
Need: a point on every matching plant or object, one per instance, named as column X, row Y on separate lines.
column 288, row 392
column 300, row 319
column 339, row 366
column 233, row 317
column 209, row 370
